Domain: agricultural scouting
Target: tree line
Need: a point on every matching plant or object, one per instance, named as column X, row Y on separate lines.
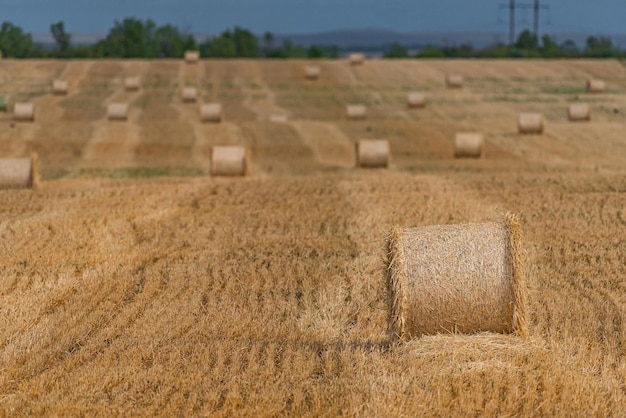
column 134, row 38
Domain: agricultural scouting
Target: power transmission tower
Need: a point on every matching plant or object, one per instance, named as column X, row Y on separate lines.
column 513, row 6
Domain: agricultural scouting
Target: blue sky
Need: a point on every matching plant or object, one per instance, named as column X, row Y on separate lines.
column 305, row 16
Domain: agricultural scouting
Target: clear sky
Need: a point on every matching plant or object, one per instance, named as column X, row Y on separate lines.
column 305, row 16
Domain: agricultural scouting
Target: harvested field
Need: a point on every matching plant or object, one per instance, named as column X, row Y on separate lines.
column 133, row 283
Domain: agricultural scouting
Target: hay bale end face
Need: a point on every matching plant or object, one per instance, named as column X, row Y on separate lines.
column 59, row 87
column 131, row 83
column 372, row 153
column 468, row 145
column 595, row 86
column 454, row 81
column 416, row 100
column 211, row 112
column 530, row 123
column 456, row 279
column 189, row 94
column 232, row 160
column 19, row 173
column 117, row 111
column 579, row 112
column 192, row 57
column 24, row 112
column 356, row 58
column 278, row 118
column 356, row 111
column 312, row 72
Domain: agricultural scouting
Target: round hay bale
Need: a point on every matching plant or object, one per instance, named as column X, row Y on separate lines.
column 131, row 83
column 454, row 81
column 468, row 145
column 530, row 123
column 24, row 111
column 230, row 160
column 312, row 72
column 117, row 111
column 356, row 111
column 59, row 87
column 356, row 58
column 456, row 279
column 192, row 57
column 579, row 112
column 595, row 86
column 278, row 118
column 372, row 153
column 416, row 99
column 18, row 173
column 189, row 94
column 211, row 112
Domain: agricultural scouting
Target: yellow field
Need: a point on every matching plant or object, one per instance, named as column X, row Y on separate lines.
column 133, row 283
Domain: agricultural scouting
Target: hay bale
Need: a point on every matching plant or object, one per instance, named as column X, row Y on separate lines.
column 189, row 94
column 312, row 72
column 17, row 173
column 595, row 86
column 278, row 118
column 24, row 111
column 372, row 153
column 192, row 57
column 579, row 112
column 468, row 145
column 232, row 160
column 131, row 83
column 416, row 99
column 356, row 58
column 117, row 111
column 59, row 87
column 356, row 111
column 530, row 123
column 454, row 81
column 456, row 279
column 211, row 112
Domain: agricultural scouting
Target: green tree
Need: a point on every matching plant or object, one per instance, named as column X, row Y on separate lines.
column 396, row 51
column 246, row 43
column 527, row 40
column 268, row 37
column 15, row 43
column 314, row 51
column 130, row 38
column 61, row 37
column 549, row 48
column 569, row 48
column 601, row 47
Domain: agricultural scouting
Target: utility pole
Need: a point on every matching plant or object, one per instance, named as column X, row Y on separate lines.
column 512, row 6
column 511, row 22
column 536, row 20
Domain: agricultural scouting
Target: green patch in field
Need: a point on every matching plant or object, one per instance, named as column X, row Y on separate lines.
column 142, row 172
column 562, row 89
column 523, row 99
column 3, row 104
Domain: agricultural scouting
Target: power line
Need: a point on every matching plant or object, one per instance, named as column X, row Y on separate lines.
column 536, row 6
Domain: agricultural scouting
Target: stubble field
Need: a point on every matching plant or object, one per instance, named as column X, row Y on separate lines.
column 132, row 282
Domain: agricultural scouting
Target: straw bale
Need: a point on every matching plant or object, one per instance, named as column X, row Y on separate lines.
column 579, row 112
column 468, row 145
column 456, row 279
column 530, row 123
column 19, row 172
column 356, row 111
column 117, row 111
column 595, row 86
column 454, row 81
column 131, row 83
column 192, row 57
column 189, row 94
column 356, row 58
column 416, row 99
column 230, row 160
column 59, row 87
column 372, row 153
column 312, row 72
column 24, row 111
column 279, row 118
column 211, row 112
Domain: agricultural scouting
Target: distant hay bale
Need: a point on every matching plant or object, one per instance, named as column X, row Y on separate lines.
column 24, row 111
column 356, row 58
column 278, row 118
column 211, row 112
column 454, row 81
column 530, row 123
column 595, row 86
column 59, row 87
column 231, row 160
column 456, row 279
column 372, row 153
column 16, row 173
column 468, row 145
column 117, row 111
column 131, row 83
column 312, row 72
column 192, row 57
column 579, row 112
column 356, row 111
column 189, row 94
column 416, row 99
